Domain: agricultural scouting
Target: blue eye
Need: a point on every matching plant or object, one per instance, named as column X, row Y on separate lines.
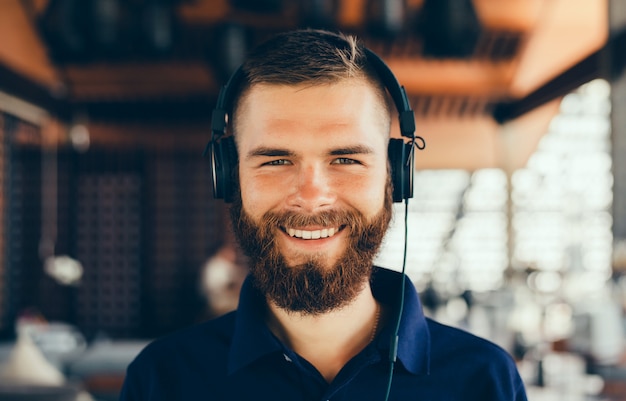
column 279, row 162
column 345, row 160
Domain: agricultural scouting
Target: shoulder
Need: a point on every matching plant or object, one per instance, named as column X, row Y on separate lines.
column 180, row 362
column 447, row 341
column 209, row 337
column 464, row 360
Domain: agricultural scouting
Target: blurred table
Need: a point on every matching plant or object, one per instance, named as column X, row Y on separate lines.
column 100, row 368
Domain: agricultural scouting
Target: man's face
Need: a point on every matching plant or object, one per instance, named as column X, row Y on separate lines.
column 315, row 201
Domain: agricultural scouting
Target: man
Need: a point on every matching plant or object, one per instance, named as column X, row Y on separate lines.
column 312, row 202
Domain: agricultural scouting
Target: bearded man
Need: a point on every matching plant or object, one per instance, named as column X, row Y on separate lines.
column 312, row 189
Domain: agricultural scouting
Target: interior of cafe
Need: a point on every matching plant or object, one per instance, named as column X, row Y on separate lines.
column 110, row 236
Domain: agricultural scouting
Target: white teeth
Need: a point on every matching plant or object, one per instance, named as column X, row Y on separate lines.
column 315, row 234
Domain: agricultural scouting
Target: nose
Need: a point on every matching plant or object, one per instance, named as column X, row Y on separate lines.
column 313, row 189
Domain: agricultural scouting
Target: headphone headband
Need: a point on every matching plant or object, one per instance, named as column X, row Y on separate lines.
column 224, row 100
column 397, row 93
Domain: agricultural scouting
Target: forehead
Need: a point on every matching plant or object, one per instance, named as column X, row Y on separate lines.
column 351, row 101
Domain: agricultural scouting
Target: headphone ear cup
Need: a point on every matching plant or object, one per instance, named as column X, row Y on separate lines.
column 401, row 161
column 224, row 164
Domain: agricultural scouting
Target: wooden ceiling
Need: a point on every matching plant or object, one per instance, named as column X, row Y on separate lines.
column 524, row 44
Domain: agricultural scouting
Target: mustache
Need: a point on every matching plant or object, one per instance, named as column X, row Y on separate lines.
column 329, row 218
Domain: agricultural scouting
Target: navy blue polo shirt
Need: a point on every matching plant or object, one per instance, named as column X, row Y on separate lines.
column 236, row 357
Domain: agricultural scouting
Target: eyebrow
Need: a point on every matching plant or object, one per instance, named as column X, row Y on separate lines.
column 352, row 150
column 264, row 151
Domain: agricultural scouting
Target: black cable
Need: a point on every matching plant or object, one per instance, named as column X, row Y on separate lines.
column 393, row 350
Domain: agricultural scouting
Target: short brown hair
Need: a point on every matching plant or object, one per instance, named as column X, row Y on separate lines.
column 309, row 56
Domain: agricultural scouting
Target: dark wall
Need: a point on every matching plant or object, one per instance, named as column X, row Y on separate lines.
column 141, row 222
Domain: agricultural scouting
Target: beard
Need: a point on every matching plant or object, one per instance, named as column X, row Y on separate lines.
column 311, row 287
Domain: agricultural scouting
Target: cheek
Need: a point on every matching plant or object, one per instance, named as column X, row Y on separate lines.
column 366, row 194
column 259, row 194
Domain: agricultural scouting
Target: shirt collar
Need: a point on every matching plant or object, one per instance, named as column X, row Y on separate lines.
column 253, row 340
column 413, row 334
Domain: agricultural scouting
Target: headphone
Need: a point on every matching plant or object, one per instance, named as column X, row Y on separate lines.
column 223, row 151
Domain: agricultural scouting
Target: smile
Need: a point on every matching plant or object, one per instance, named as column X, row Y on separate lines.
column 314, row 234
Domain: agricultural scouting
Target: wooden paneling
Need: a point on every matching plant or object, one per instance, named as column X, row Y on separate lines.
column 139, row 81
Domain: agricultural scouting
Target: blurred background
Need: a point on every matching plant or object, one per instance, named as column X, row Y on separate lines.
column 109, row 236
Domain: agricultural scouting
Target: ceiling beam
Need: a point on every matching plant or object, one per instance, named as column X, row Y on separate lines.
column 21, row 48
column 453, row 77
column 606, row 63
column 132, row 81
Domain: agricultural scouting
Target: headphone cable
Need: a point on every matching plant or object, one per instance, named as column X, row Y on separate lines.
column 393, row 349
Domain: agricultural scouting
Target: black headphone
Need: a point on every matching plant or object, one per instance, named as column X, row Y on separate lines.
column 223, row 150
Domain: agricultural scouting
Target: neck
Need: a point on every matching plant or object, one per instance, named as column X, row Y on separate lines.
column 328, row 341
